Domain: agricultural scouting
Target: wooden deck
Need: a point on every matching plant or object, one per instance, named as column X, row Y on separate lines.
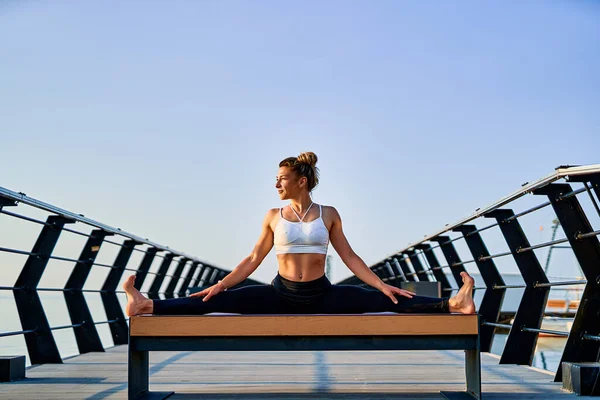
column 283, row 375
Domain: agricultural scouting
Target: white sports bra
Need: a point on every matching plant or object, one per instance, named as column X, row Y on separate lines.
column 301, row 237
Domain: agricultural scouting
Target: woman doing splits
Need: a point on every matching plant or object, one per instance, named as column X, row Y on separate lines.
column 301, row 232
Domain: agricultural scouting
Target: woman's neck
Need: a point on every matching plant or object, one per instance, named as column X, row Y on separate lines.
column 301, row 204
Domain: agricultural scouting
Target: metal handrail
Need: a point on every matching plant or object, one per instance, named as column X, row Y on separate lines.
column 528, row 188
column 23, row 198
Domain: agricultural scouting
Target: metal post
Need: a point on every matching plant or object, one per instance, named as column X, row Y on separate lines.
column 170, row 292
column 395, row 265
column 440, row 276
column 160, row 276
column 378, row 270
column 520, row 345
column 114, row 312
column 393, row 280
column 452, row 257
column 214, row 277
column 417, row 265
column 473, row 372
column 187, row 279
column 138, row 370
column 490, row 307
column 205, row 275
column 40, row 344
column 408, row 274
column 86, row 334
column 198, row 281
column 587, row 251
column 142, row 272
column 4, row 202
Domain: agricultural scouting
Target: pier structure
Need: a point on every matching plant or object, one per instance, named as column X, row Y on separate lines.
column 492, row 236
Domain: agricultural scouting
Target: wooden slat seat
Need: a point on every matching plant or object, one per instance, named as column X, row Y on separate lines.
column 304, row 325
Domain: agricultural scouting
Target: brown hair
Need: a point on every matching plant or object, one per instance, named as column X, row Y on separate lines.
column 304, row 165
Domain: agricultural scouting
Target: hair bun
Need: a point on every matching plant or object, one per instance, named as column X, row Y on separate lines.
column 308, row 157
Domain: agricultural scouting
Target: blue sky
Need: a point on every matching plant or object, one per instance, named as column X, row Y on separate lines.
column 168, row 119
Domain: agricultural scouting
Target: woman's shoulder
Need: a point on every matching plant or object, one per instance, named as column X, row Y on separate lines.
column 330, row 211
column 273, row 211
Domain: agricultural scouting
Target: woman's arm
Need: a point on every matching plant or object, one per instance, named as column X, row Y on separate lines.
column 249, row 264
column 355, row 263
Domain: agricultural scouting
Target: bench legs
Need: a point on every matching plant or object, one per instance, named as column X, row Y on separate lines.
column 473, row 372
column 138, row 377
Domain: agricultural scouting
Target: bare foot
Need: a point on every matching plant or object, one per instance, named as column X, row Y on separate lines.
column 137, row 303
column 463, row 301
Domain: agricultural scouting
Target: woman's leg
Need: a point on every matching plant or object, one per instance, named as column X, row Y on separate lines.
column 254, row 299
column 350, row 299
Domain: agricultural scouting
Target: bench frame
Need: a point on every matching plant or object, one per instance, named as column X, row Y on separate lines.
column 140, row 346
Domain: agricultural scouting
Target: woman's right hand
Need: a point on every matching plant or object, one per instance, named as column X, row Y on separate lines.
column 210, row 291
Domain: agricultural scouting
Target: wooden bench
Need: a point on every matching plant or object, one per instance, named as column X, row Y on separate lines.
column 302, row 332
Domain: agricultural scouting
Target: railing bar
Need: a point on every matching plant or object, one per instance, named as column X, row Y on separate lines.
column 494, row 256
column 587, row 336
column 81, row 261
column 571, row 194
column 462, row 263
column 134, row 249
column 587, row 235
column 78, row 290
column 538, row 246
column 67, row 326
column 509, row 287
column 66, row 259
column 546, row 204
column 557, row 333
column 453, row 240
column 115, row 243
column 431, row 248
column 509, row 326
column 9, row 288
column 592, row 198
column 104, row 265
column 565, row 283
column 97, row 264
column 481, row 229
column 106, row 322
column 455, row 289
column 15, row 251
column 76, row 232
column 5, row 334
column 24, row 199
column 15, row 215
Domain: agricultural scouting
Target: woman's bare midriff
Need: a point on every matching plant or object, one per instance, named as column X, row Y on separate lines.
column 301, row 267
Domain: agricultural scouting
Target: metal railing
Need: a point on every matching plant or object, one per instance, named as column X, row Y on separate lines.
column 37, row 332
column 418, row 262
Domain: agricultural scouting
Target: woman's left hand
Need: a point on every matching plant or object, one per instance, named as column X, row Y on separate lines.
column 390, row 291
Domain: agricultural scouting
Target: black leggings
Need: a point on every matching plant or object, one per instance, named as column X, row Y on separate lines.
column 288, row 297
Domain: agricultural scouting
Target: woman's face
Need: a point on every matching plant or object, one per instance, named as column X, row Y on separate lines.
column 287, row 183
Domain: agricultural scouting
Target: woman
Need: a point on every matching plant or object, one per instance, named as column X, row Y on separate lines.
column 301, row 232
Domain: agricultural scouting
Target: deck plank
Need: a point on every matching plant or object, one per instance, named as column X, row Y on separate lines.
column 283, row 375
